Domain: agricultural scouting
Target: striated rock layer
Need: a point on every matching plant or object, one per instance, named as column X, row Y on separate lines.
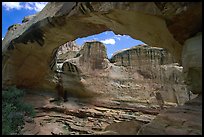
column 183, row 120
column 140, row 81
column 142, row 55
column 27, row 48
column 186, row 119
column 93, row 55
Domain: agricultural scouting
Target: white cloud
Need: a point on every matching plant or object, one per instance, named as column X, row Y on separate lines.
column 126, row 36
column 117, row 37
column 28, row 6
column 11, row 5
column 108, row 41
column 37, row 6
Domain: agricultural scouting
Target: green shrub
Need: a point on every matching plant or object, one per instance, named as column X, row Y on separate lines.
column 14, row 110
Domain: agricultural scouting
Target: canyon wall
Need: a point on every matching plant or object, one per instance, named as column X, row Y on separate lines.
column 139, row 80
column 157, row 24
column 27, row 50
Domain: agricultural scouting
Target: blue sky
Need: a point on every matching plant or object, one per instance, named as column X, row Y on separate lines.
column 14, row 12
column 112, row 41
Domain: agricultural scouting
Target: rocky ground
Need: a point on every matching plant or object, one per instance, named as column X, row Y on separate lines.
column 181, row 120
column 94, row 116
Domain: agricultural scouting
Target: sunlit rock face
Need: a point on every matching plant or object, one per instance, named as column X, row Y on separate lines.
column 28, row 18
column 140, row 80
column 186, row 119
column 157, row 65
column 71, row 81
column 67, row 51
column 27, row 49
column 91, row 58
column 142, row 55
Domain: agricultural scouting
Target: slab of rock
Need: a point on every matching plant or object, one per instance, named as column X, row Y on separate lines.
column 124, row 128
column 185, row 120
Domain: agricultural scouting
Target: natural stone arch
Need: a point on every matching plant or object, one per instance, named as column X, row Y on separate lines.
column 27, row 49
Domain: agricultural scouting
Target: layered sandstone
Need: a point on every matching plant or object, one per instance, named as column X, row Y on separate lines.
column 186, row 119
column 67, row 51
column 92, row 56
column 140, row 81
column 183, row 120
column 158, row 65
column 142, row 55
column 27, row 52
column 86, row 18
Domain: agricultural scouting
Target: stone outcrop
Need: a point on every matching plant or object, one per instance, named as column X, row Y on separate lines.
column 142, row 55
column 92, row 56
column 186, row 119
column 183, row 15
column 28, row 18
column 67, row 51
column 90, row 69
column 81, row 63
column 28, row 48
column 192, row 63
column 156, row 64
column 182, row 120
column 125, row 128
column 87, row 18
column 77, row 117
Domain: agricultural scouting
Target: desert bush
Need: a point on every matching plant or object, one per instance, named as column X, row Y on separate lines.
column 14, row 110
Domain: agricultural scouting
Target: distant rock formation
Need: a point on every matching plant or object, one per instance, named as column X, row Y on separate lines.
column 158, row 65
column 142, row 55
column 67, row 51
column 91, row 61
column 92, row 56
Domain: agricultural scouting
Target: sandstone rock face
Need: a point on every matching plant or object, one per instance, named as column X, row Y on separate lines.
column 182, row 15
column 72, row 82
column 93, row 55
column 192, row 63
column 140, row 82
column 28, row 18
column 183, row 120
column 174, row 89
column 186, row 119
column 144, row 21
column 142, row 55
column 67, row 51
column 77, row 63
column 27, row 52
column 125, row 128
column 158, row 65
